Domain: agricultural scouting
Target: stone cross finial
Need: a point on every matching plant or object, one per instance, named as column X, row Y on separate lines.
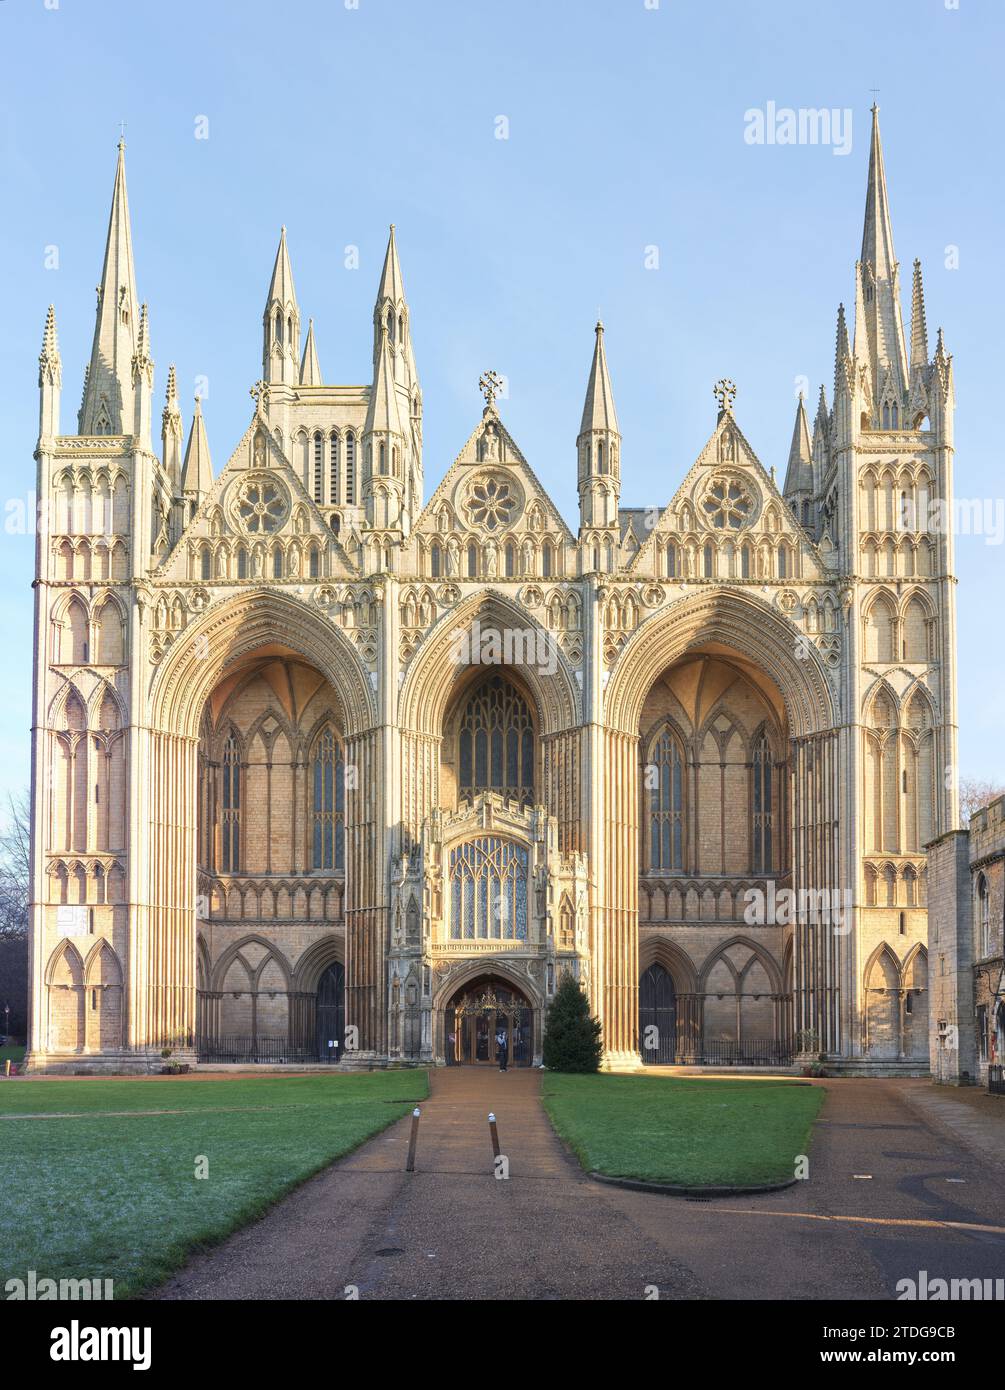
column 488, row 384
column 725, row 393
column 260, row 391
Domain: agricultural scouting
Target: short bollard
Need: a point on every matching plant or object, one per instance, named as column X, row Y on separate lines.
column 6, row 1067
column 495, row 1135
column 412, row 1138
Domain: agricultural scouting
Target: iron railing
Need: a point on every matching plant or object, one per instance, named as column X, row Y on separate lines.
column 996, row 1081
column 257, row 1049
column 751, row 1052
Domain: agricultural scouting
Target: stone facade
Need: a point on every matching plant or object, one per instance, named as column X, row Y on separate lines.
column 316, row 756
column 967, row 909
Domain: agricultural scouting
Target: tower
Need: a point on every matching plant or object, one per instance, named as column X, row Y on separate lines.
column 392, row 433
column 887, row 458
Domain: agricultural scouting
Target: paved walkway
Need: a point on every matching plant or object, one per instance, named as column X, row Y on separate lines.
column 891, row 1192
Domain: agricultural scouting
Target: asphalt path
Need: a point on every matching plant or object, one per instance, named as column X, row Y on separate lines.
column 892, row 1191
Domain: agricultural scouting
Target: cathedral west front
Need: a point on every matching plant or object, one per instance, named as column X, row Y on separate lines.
column 332, row 767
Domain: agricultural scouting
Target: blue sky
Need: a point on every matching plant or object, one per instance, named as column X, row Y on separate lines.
column 626, row 131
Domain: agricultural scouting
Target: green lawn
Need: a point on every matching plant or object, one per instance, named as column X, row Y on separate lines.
column 683, row 1131
column 116, row 1196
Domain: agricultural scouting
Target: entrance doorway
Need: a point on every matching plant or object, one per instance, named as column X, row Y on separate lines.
column 484, row 1016
column 657, row 1016
column 331, row 1014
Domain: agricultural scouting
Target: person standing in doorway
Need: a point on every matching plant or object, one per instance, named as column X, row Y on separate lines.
column 501, row 1049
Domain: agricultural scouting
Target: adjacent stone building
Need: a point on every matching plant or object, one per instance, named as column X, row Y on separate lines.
column 326, row 768
column 967, row 921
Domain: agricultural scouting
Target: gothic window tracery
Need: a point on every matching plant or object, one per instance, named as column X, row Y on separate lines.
column 763, row 817
column 495, row 745
column 664, row 778
column 727, row 506
column 261, row 505
column 230, row 806
column 328, row 803
column 488, row 890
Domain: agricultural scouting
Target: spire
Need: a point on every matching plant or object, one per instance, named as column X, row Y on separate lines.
column 281, row 322
column 822, row 416
column 844, row 375
column 281, row 289
column 50, row 366
column 108, row 392
column 598, row 408
column 50, row 379
column 392, row 286
column 877, row 232
column 382, row 415
column 391, row 316
column 197, row 474
column 799, row 473
column 171, row 431
column 310, row 370
column 879, row 327
column 598, row 446
column 143, row 382
column 919, row 329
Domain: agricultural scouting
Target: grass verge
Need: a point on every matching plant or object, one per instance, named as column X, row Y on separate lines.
column 91, row 1193
column 683, row 1131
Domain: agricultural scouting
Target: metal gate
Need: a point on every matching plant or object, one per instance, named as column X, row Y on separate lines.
column 657, row 1017
column 331, row 1014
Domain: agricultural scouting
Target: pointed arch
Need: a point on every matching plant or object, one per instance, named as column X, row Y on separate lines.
column 236, row 627
column 431, row 676
column 738, row 620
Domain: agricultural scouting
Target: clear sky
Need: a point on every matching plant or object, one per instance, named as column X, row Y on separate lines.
column 625, row 132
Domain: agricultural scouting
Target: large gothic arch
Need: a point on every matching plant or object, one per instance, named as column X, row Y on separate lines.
column 738, row 623
column 431, row 675
column 239, row 627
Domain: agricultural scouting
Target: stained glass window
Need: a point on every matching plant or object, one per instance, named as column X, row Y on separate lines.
column 328, row 788
column 230, row 820
column 762, row 806
column 496, row 743
column 665, row 783
column 488, row 890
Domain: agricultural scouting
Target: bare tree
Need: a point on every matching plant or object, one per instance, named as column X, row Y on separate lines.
column 975, row 794
column 15, row 881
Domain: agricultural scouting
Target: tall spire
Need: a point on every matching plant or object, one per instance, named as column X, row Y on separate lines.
column 392, row 286
column 310, row 370
column 879, row 327
column 391, row 316
column 598, row 445
column 598, row 408
column 799, row 473
column 281, row 322
column 107, row 406
column 197, row 474
column 877, row 232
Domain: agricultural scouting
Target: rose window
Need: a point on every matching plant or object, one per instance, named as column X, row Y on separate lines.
column 727, row 506
column 261, row 506
column 491, row 503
